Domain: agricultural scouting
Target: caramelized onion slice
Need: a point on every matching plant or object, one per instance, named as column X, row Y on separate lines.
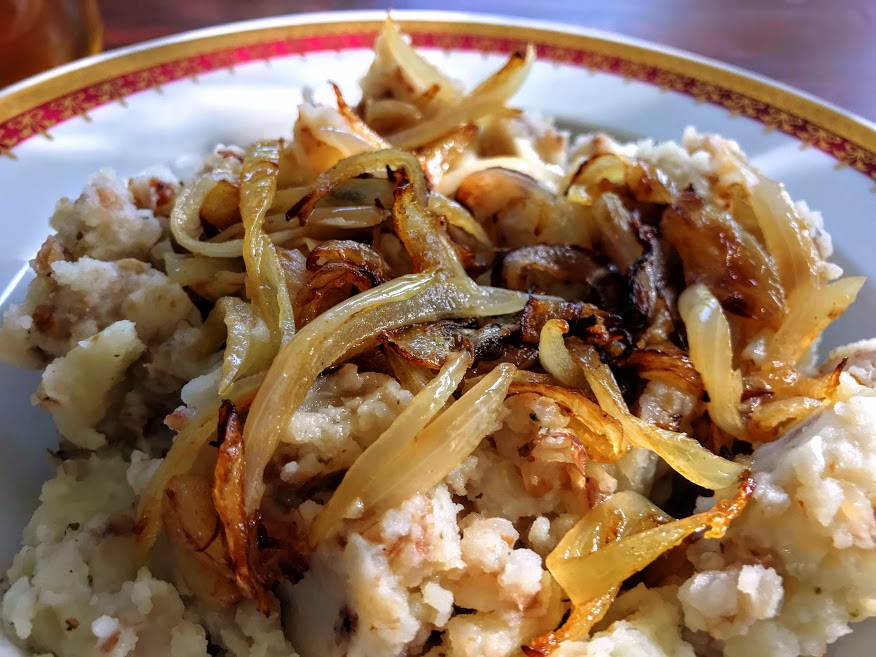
column 682, row 453
column 183, row 453
column 337, row 333
column 517, row 210
column 356, row 124
column 592, row 575
column 809, row 316
column 424, row 236
column 488, row 97
column 604, row 440
column 555, row 358
column 364, row 164
column 787, row 237
column 711, row 352
column 429, row 345
column 439, row 157
column 371, row 477
column 228, row 489
column 550, row 267
column 718, row 253
column 620, row 515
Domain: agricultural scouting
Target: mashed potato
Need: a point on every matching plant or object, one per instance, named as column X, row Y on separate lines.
column 125, row 322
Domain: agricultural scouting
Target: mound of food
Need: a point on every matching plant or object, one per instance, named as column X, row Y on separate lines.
column 432, row 378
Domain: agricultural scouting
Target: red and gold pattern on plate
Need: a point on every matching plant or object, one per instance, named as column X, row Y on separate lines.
column 35, row 110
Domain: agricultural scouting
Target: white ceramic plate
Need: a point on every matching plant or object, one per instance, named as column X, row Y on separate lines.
column 152, row 103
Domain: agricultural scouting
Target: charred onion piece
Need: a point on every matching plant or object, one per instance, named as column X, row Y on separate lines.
column 534, row 268
column 596, row 327
column 430, row 345
column 653, row 285
column 717, row 252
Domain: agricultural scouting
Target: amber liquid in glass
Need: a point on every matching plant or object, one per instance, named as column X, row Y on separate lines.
column 36, row 35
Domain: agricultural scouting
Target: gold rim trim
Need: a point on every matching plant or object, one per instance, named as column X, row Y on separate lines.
column 557, row 46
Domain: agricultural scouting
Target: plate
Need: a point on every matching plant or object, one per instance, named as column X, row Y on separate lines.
column 151, row 103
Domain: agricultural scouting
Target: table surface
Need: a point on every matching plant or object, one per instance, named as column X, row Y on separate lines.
column 825, row 47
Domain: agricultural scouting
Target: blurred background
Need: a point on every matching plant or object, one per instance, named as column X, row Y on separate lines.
column 825, row 47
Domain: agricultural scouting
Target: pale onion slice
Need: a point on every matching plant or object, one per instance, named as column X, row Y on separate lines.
column 682, row 453
column 357, row 165
column 810, row 314
column 266, row 282
column 555, row 358
column 417, row 70
column 593, row 575
column 185, row 219
column 404, row 301
column 487, row 98
column 249, row 348
column 548, row 175
column 787, row 237
column 374, row 472
column 180, row 458
column 711, row 352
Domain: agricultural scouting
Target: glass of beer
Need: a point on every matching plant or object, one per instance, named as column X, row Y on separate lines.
column 36, row 35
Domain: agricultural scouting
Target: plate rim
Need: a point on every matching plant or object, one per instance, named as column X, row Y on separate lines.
column 848, row 137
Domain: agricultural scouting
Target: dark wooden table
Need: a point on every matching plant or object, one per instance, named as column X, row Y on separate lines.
column 825, row 47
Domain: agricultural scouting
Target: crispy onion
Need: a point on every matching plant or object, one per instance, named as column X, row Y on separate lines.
column 376, row 481
column 359, row 165
column 266, row 281
column 337, row 333
column 595, row 326
column 682, row 453
column 592, row 575
column 718, row 253
column 620, row 515
column 239, row 530
column 486, row 98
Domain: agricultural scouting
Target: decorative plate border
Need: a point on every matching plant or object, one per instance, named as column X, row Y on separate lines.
column 34, row 109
